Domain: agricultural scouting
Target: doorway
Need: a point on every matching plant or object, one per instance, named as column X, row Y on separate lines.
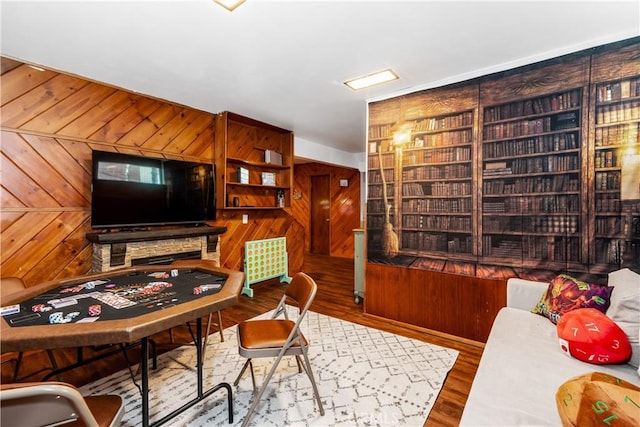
column 320, row 214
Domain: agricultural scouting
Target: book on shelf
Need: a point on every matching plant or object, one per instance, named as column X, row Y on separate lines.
column 272, row 157
column 243, row 175
column 268, row 178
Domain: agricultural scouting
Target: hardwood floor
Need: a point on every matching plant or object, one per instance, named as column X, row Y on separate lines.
column 335, row 298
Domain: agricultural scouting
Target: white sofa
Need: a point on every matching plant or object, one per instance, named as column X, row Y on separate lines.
column 522, row 366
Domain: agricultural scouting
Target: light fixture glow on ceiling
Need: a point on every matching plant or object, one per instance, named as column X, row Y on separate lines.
column 372, row 79
column 230, row 5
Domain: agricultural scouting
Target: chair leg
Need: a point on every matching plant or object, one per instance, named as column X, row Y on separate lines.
column 313, row 381
column 207, row 331
column 263, row 387
column 54, row 364
column 244, row 368
column 220, row 326
column 253, row 377
column 17, row 367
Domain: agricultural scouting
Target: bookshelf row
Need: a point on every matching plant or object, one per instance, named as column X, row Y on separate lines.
column 376, row 190
column 528, row 107
column 373, row 162
column 525, row 127
column 539, row 144
column 616, row 113
column 455, row 189
column 607, row 159
column 612, row 226
column 608, row 180
column 534, row 204
column 444, row 122
column 550, row 248
column 520, row 224
column 440, row 139
column 377, row 221
column 436, row 242
column 554, row 163
column 618, row 135
column 618, row 90
column 555, row 184
column 380, row 132
column 436, row 205
column 376, row 178
column 446, row 223
column 440, row 155
column 455, row 171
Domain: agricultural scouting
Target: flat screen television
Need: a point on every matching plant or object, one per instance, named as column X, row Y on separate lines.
column 129, row 191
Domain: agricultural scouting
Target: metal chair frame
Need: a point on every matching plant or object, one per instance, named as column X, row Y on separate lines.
column 302, row 291
column 56, row 403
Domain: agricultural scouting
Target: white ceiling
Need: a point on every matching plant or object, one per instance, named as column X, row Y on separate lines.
column 283, row 62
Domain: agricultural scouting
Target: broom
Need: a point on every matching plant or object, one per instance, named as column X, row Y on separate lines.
column 390, row 244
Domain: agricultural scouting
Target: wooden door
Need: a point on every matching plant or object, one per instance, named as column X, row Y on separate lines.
column 320, row 214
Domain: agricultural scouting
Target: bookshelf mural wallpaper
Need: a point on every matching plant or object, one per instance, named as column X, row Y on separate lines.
column 530, row 172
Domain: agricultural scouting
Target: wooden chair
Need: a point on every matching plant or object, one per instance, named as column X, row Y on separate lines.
column 56, row 403
column 11, row 285
column 279, row 337
column 194, row 263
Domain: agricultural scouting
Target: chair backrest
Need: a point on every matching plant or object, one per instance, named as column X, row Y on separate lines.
column 9, row 285
column 42, row 403
column 302, row 290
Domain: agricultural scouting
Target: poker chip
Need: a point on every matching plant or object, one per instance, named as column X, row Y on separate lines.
column 197, row 290
column 38, row 308
column 95, row 310
column 72, row 315
column 56, row 317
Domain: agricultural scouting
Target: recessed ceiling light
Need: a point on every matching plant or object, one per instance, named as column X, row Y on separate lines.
column 229, row 4
column 372, row 79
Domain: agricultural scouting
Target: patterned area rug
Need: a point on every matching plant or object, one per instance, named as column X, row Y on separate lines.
column 365, row 377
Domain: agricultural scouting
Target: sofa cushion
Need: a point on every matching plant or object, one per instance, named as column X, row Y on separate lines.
column 566, row 293
column 589, row 335
column 625, row 308
column 520, row 371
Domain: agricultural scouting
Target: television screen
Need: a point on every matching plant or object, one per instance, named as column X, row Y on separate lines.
column 134, row 191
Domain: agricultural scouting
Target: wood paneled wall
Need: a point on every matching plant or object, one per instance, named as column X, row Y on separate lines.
column 345, row 204
column 464, row 306
column 50, row 122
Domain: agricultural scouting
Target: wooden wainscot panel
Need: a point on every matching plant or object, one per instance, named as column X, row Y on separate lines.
column 464, row 306
column 519, row 84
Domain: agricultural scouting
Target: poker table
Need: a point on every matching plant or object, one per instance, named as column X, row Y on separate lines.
column 120, row 306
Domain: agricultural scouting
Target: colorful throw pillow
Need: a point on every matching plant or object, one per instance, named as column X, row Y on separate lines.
column 566, row 293
column 598, row 399
column 590, row 336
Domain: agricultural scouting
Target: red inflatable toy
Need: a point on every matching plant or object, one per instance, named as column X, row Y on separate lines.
column 590, row 336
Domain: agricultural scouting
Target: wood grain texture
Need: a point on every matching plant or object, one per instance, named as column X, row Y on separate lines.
column 464, row 306
column 557, row 76
column 50, row 124
column 345, row 204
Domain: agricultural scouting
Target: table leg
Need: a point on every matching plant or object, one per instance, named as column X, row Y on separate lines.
column 199, row 362
column 144, row 367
